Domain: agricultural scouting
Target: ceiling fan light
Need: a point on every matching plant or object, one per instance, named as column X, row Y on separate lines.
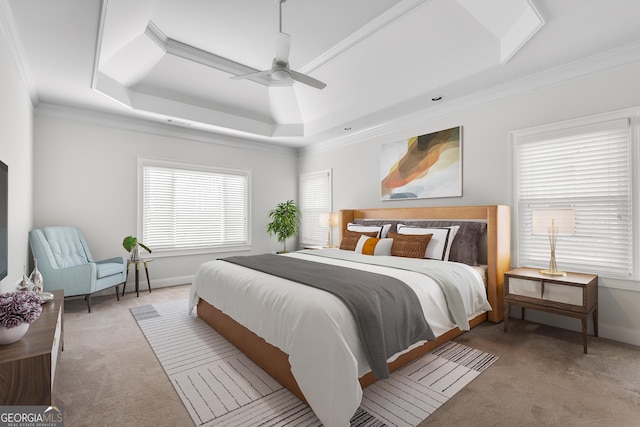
column 280, row 75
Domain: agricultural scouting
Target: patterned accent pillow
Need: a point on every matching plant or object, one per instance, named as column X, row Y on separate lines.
column 440, row 245
column 409, row 246
column 374, row 246
column 350, row 239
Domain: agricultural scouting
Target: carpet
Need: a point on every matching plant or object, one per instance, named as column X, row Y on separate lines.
column 220, row 386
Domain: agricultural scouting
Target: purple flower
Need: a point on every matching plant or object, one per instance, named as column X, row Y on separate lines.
column 19, row 307
column 11, row 321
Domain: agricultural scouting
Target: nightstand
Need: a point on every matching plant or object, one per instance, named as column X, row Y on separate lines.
column 574, row 295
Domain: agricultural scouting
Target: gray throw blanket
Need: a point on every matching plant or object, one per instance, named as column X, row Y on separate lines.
column 386, row 310
column 447, row 275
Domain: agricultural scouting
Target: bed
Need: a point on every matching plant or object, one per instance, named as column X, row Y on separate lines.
column 299, row 341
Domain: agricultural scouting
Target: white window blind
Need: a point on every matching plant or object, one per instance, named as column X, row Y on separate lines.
column 315, row 201
column 587, row 168
column 187, row 207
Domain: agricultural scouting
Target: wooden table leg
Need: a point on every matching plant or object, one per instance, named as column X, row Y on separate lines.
column 137, row 279
column 506, row 317
column 585, row 321
column 124, row 287
column 147, row 271
column 595, row 321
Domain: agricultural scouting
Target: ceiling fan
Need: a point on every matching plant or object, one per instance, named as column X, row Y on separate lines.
column 280, row 67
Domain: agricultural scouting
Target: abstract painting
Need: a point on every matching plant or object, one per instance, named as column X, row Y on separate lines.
column 425, row 166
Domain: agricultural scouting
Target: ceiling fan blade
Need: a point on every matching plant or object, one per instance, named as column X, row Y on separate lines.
column 303, row 78
column 283, row 45
column 249, row 75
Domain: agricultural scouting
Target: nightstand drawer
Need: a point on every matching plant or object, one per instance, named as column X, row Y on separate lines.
column 573, row 295
column 547, row 291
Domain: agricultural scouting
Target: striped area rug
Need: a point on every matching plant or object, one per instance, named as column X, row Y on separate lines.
column 220, row 386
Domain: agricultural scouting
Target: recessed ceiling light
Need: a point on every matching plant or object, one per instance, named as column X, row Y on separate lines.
column 178, row 122
column 436, row 98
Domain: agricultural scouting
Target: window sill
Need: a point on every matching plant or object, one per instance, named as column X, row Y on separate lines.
column 621, row 284
column 195, row 251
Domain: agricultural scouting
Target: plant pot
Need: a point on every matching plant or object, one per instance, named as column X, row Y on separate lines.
column 11, row 335
column 135, row 254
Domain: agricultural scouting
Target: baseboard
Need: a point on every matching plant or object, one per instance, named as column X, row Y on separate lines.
column 619, row 333
column 155, row 284
column 159, row 283
column 608, row 331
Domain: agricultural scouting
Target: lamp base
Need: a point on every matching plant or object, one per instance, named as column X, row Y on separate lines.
column 553, row 272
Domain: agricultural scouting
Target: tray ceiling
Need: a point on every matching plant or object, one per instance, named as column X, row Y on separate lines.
column 170, row 61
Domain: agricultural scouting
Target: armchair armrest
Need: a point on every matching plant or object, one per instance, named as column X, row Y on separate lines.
column 117, row 260
column 73, row 280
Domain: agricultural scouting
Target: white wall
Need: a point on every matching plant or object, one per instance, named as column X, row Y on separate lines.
column 85, row 175
column 487, row 171
column 16, row 129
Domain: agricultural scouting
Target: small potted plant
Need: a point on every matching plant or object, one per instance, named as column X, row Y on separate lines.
column 130, row 244
column 285, row 221
column 17, row 311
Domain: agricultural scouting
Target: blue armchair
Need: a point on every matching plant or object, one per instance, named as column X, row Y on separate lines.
column 66, row 263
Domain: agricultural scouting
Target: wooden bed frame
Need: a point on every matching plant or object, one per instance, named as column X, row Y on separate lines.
column 276, row 362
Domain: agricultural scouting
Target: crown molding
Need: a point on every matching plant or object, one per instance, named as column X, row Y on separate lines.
column 173, row 129
column 98, row 47
column 615, row 58
column 528, row 24
column 14, row 46
column 391, row 15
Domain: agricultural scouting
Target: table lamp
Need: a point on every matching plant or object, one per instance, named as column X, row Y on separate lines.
column 553, row 222
column 329, row 220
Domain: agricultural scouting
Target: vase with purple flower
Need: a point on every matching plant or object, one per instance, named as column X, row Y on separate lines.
column 17, row 311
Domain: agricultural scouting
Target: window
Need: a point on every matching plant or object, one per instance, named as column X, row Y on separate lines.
column 315, row 203
column 189, row 207
column 585, row 165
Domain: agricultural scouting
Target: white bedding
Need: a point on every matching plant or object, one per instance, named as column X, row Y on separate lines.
column 315, row 328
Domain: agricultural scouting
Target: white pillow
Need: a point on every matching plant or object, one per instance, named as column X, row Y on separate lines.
column 439, row 246
column 381, row 229
column 374, row 246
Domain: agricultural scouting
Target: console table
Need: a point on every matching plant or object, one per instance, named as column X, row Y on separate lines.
column 28, row 366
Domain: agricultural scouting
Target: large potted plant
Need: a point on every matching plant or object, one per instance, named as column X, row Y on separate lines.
column 285, row 221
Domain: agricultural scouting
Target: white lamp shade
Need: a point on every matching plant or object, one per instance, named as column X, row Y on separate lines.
column 564, row 219
column 329, row 219
column 334, row 219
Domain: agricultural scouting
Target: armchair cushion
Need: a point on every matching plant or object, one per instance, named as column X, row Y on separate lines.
column 108, row 269
column 66, row 246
